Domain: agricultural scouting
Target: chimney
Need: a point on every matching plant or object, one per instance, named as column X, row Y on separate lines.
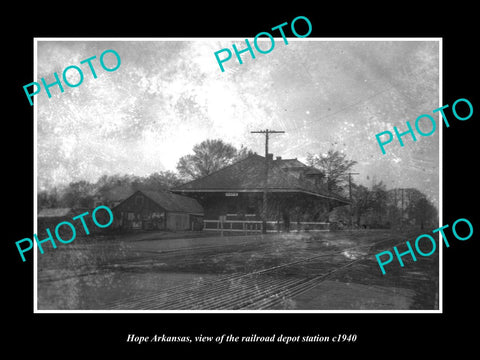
column 279, row 158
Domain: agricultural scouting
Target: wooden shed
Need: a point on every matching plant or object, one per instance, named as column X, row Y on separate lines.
column 158, row 210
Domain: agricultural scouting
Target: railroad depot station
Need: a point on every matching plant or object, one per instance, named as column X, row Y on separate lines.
column 234, row 195
column 230, row 199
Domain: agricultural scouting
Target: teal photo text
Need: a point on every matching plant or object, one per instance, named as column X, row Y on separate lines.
column 425, row 124
column 425, row 244
column 26, row 244
column 72, row 69
column 226, row 54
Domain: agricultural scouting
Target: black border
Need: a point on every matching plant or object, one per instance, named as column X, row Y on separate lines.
column 404, row 333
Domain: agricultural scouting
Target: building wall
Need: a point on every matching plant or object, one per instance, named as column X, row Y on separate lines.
column 248, row 206
column 236, row 206
column 178, row 221
column 139, row 213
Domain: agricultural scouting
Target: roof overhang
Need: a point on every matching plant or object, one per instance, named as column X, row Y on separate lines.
column 256, row 190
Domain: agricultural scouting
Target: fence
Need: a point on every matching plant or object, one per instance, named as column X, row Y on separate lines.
column 253, row 226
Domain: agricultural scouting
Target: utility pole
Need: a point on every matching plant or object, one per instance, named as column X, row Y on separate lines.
column 265, row 186
column 401, row 217
column 350, row 196
column 395, row 198
column 395, row 207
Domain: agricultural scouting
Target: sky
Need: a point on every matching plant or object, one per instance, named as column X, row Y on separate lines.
column 170, row 94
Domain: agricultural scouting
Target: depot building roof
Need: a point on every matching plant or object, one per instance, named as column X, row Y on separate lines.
column 249, row 175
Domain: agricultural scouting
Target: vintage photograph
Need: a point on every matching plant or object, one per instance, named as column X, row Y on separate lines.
column 258, row 188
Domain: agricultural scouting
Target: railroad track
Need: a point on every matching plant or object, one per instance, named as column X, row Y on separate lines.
column 150, row 256
column 260, row 289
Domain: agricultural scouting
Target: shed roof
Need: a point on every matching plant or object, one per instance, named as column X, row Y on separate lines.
column 174, row 202
column 54, row 212
column 117, row 193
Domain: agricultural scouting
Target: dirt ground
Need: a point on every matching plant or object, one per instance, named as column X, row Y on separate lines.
column 278, row 271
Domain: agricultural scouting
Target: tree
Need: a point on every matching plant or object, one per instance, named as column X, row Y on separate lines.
column 382, row 208
column 48, row 198
column 208, row 157
column 379, row 203
column 107, row 182
column 419, row 209
column 335, row 166
column 242, row 153
column 81, row 193
column 158, row 181
column 363, row 201
column 78, row 194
